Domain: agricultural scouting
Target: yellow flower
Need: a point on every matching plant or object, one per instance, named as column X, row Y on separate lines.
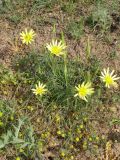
column 90, row 139
column 1, row 114
column 21, row 150
column 57, row 117
column 97, row 138
column 63, row 154
column 18, row 158
column 30, row 108
column 40, row 89
column 77, row 139
column 27, row 36
column 59, row 132
column 72, row 157
column 84, row 90
column 108, row 146
column 81, row 126
column 71, row 146
column 56, row 48
column 63, row 135
column 11, row 117
column 108, row 78
column 1, row 123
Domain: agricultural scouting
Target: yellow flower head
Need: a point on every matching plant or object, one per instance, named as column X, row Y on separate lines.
column 84, row 90
column 56, row 48
column 18, row 158
column 27, row 36
column 108, row 78
column 77, row 139
column 63, row 154
column 40, row 89
column 1, row 114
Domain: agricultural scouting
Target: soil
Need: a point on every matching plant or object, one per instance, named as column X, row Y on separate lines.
column 106, row 48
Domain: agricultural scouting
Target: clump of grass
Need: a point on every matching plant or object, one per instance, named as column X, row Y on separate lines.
column 42, row 4
column 13, row 130
column 69, row 7
column 7, row 76
column 16, row 18
column 40, row 67
column 75, row 29
column 100, row 19
column 9, row 5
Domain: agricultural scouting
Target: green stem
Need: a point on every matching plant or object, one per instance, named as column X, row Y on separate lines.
column 39, row 98
column 65, row 70
column 53, row 63
column 76, row 103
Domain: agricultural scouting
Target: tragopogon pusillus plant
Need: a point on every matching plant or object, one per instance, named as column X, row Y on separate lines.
column 84, row 90
column 56, row 48
column 109, row 78
column 40, row 89
column 27, row 36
